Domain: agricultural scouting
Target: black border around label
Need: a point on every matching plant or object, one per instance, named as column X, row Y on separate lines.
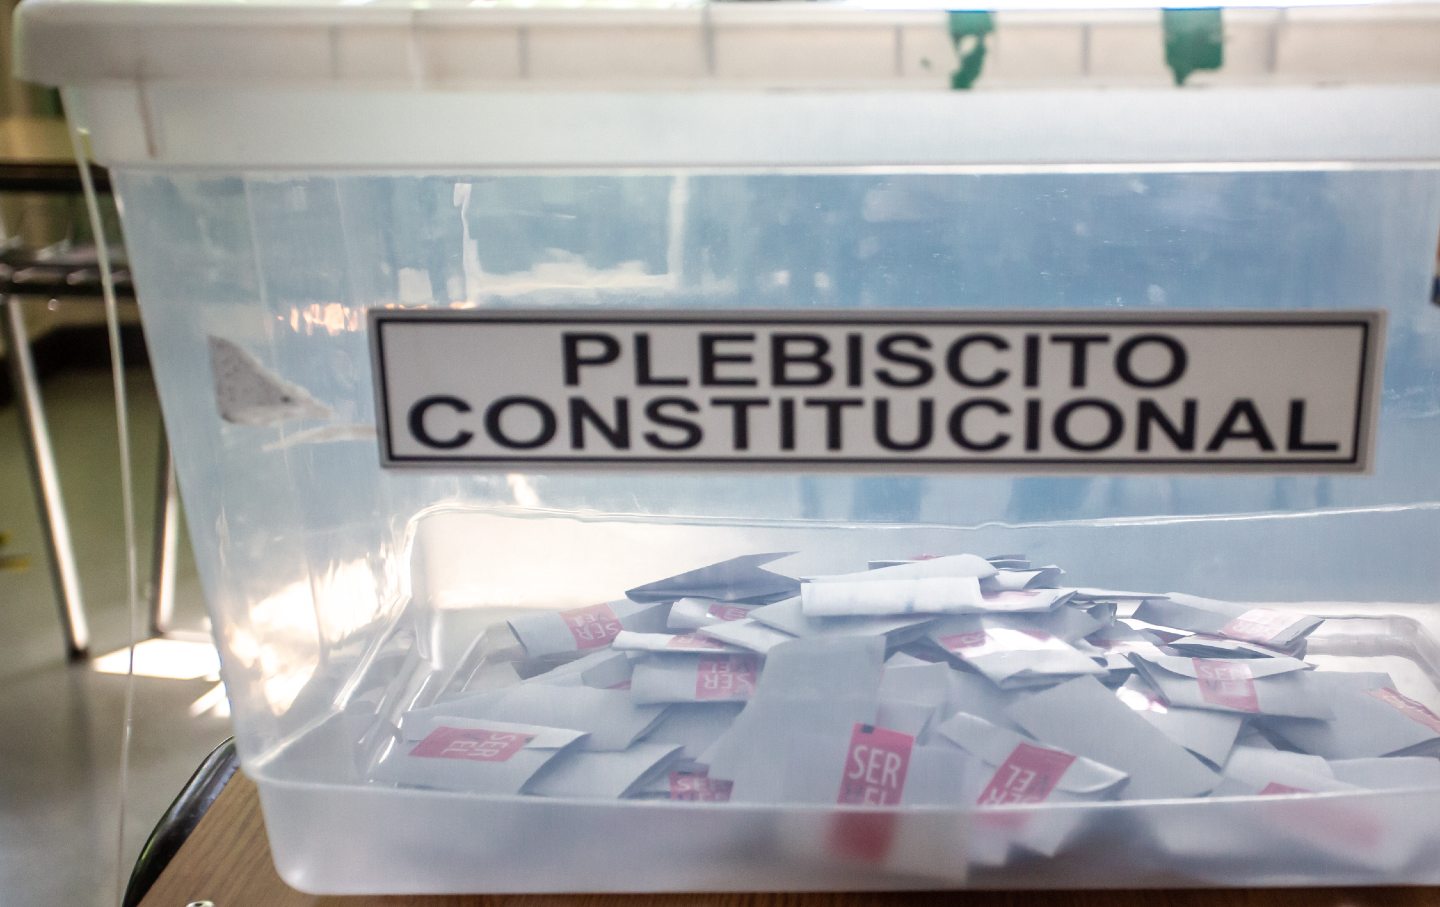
column 1370, row 324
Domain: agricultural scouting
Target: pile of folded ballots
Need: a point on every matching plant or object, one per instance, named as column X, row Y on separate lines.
column 957, row 681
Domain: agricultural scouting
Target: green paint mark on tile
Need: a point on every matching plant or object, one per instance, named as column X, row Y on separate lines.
column 1194, row 39
column 968, row 31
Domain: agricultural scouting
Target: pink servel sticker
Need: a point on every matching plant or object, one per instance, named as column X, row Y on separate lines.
column 698, row 786
column 1259, row 625
column 593, row 626
column 875, row 766
column 1413, row 710
column 726, row 676
column 689, row 642
column 1028, row 775
column 1226, row 683
column 473, row 744
column 1275, row 787
column 721, row 611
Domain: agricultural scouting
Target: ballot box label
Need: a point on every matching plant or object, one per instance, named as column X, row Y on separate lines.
column 1021, row 391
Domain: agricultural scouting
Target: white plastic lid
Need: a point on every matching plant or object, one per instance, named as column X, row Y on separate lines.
column 445, row 83
column 748, row 45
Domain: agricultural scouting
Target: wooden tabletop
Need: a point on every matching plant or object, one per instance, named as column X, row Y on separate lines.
column 227, row 861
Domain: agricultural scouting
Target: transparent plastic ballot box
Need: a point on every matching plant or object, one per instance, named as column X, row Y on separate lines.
column 798, row 446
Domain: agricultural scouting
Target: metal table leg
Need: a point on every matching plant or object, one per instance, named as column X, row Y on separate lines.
column 46, row 478
column 166, row 539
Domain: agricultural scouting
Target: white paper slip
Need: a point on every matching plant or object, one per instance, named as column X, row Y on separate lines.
column 976, row 695
column 1269, row 626
column 754, row 752
column 825, row 669
column 605, row 669
column 719, row 677
column 1082, row 717
column 950, row 566
column 1019, row 770
column 915, row 699
column 869, row 765
column 694, row 613
column 1118, row 639
column 608, row 717
column 1010, row 655
column 1277, row 686
column 602, row 776
column 813, row 685
column 694, row 726
column 788, row 617
column 1066, row 622
column 584, row 629
column 488, row 757
column 1209, row 734
column 929, row 595
column 746, row 634
column 914, row 718
column 682, row 643
column 1371, row 718
column 924, row 683
column 1017, row 580
column 738, row 579
column 900, row 659
column 1389, row 773
column 1263, row 772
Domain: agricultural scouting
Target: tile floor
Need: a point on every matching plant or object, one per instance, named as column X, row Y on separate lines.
column 60, row 723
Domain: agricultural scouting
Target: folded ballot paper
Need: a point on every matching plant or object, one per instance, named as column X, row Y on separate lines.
column 608, row 776
column 694, row 613
column 1082, row 717
column 1263, row 625
column 977, row 685
column 490, row 757
column 962, row 584
column 585, row 629
column 1019, row 770
column 604, row 669
column 1209, row 734
column 746, row 634
column 1370, row 717
column 739, row 579
column 788, row 616
column 1010, row 653
column 1270, row 686
column 691, row 677
column 609, row 719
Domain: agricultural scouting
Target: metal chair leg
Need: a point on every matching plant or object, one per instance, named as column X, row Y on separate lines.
column 46, row 478
column 165, row 542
